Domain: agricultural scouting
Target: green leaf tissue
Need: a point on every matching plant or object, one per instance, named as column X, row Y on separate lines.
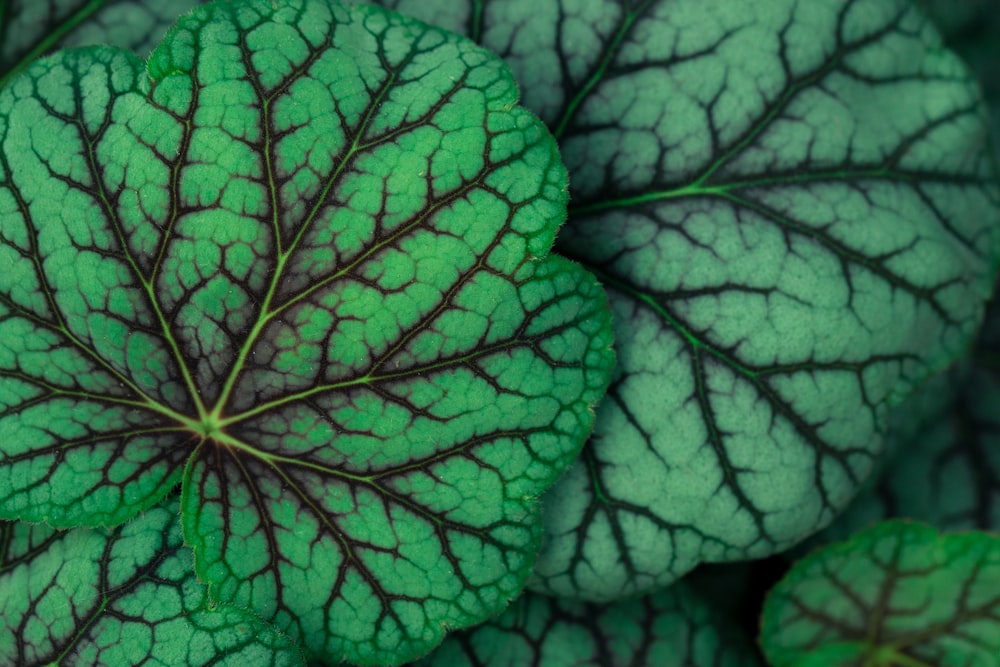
column 297, row 264
column 334, row 336
column 794, row 209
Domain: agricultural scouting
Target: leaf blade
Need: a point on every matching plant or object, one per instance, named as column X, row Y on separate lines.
column 787, row 253
column 898, row 591
column 357, row 348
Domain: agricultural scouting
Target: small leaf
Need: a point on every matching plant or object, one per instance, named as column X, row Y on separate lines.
column 300, row 265
column 899, row 593
column 121, row 596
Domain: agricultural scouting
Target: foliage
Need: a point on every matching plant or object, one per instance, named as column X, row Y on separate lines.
column 672, row 627
column 221, row 264
column 293, row 275
column 780, row 217
column 898, row 593
column 103, row 595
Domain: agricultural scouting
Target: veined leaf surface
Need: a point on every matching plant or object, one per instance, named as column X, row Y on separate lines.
column 899, row 593
column 673, row 627
column 121, row 596
column 793, row 208
column 944, row 463
column 300, row 265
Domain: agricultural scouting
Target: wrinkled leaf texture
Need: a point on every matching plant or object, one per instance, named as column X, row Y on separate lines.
column 795, row 213
column 300, row 266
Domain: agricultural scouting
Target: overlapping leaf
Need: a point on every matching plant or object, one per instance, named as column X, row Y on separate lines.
column 300, row 265
column 796, row 217
column 671, row 628
column 121, row 596
column 30, row 29
column 899, row 593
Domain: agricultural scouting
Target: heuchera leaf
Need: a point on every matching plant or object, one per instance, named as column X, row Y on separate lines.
column 120, row 596
column 670, row 628
column 899, row 593
column 29, row 29
column 795, row 214
column 301, row 266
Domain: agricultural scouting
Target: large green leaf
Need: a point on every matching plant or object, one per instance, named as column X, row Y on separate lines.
column 301, row 266
column 121, row 596
column 670, row 628
column 898, row 594
column 29, row 29
column 793, row 209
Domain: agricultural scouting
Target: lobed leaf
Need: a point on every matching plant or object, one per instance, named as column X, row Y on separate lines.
column 299, row 265
column 794, row 211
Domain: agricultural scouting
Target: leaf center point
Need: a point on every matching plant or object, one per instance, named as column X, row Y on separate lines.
column 210, row 426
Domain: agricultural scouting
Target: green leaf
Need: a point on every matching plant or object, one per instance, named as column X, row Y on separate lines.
column 943, row 463
column 31, row 29
column 899, row 593
column 301, row 266
column 795, row 215
column 121, row 596
column 671, row 628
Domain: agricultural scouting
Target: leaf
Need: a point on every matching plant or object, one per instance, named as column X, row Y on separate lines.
column 794, row 213
column 300, row 266
column 31, row 29
column 943, row 466
column 120, row 596
column 899, row 593
column 670, row 628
